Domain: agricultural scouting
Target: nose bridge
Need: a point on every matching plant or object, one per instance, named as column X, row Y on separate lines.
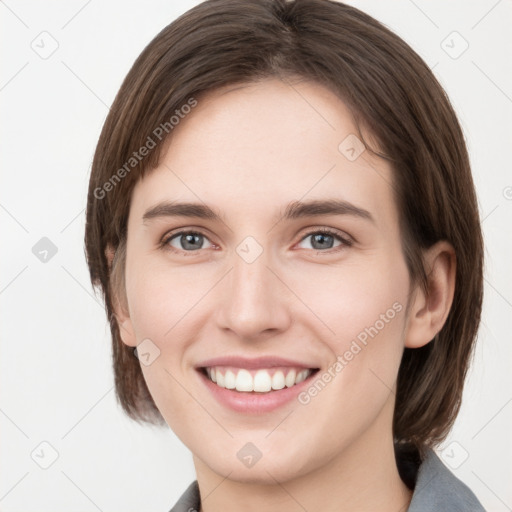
column 254, row 299
column 250, row 277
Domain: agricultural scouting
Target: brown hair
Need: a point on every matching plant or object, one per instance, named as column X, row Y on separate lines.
column 390, row 91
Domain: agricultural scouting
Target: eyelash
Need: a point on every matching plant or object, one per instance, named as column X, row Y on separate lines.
column 345, row 242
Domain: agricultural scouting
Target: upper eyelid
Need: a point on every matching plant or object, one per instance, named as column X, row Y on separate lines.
column 169, row 236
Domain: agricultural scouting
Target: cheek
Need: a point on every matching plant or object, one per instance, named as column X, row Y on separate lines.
column 347, row 398
column 349, row 298
column 161, row 308
column 164, row 304
column 160, row 298
column 364, row 310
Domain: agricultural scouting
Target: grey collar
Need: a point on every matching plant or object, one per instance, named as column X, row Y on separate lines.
column 437, row 488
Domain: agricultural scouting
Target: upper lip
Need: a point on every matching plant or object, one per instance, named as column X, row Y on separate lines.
column 253, row 363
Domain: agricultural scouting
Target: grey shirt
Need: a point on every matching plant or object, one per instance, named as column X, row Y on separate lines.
column 436, row 489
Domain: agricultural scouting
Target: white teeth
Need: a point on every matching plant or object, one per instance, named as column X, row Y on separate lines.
column 262, row 382
column 301, row 376
column 230, row 380
column 278, row 380
column 290, row 379
column 244, row 381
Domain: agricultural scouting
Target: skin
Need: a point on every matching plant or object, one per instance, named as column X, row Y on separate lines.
column 248, row 152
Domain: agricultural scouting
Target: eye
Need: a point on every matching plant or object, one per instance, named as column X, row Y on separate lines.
column 323, row 239
column 184, row 241
column 188, row 242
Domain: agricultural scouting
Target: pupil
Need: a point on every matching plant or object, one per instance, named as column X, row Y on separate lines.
column 321, row 237
column 189, row 241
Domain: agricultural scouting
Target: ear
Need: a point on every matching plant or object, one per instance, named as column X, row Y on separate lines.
column 428, row 312
column 121, row 313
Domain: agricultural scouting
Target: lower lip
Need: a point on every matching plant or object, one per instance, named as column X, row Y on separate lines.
column 254, row 403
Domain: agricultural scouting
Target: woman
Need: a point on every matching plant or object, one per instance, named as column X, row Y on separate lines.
column 282, row 220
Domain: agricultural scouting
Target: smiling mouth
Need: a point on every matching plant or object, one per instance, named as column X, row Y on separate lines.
column 264, row 380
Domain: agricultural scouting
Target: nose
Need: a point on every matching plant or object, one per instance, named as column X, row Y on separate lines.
column 254, row 301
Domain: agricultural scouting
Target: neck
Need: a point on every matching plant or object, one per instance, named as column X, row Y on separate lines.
column 363, row 477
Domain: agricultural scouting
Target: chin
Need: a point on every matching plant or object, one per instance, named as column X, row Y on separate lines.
column 265, row 471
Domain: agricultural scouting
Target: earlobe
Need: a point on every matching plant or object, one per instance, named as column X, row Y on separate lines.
column 126, row 331
column 121, row 314
column 428, row 311
column 110, row 253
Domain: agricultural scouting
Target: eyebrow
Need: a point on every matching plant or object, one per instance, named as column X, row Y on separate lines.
column 294, row 210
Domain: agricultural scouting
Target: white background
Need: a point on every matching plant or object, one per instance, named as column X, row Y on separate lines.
column 56, row 378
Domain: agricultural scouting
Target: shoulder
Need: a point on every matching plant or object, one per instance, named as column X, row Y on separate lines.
column 437, row 488
column 189, row 501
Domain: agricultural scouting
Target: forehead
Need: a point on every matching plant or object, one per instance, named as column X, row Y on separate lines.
column 257, row 147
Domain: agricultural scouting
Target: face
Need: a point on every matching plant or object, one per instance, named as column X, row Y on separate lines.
column 305, row 304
